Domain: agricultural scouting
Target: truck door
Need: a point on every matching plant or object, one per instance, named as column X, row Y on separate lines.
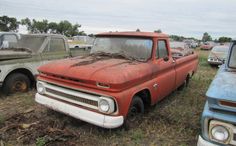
column 164, row 70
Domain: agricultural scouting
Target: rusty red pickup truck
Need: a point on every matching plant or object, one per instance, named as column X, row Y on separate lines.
column 124, row 73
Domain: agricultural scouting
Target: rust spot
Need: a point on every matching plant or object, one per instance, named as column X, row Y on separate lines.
column 92, row 59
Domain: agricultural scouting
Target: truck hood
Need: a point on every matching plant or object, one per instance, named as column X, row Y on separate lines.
column 115, row 72
column 222, row 88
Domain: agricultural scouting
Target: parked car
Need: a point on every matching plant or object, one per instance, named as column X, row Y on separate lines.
column 125, row 72
column 218, row 122
column 81, row 42
column 206, row 47
column 176, row 45
column 191, row 43
column 218, row 55
column 20, row 55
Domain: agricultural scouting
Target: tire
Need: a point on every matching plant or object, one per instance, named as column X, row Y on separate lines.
column 16, row 82
column 136, row 108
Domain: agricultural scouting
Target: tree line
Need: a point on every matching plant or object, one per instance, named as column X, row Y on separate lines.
column 205, row 38
column 68, row 29
column 34, row 26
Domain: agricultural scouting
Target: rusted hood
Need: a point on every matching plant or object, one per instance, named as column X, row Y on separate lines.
column 115, row 72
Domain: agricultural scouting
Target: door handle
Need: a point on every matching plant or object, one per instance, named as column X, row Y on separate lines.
column 155, row 86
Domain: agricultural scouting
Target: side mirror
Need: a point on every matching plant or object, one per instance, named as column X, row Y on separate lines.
column 166, row 58
column 5, row 44
column 223, row 61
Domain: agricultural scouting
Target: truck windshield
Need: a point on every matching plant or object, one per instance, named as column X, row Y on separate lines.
column 232, row 59
column 137, row 48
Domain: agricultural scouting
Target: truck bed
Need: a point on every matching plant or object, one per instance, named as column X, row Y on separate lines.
column 184, row 66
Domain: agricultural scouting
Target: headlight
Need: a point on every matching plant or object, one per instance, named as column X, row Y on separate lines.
column 220, row 133
column 106, row 105
column 40, row 88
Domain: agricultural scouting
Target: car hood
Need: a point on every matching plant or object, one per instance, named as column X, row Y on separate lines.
column 112, row 71
column 220, row 55
column 222, row 88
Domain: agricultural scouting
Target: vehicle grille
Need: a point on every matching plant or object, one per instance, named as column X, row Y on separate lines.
column 76, row 98
column 72, row 96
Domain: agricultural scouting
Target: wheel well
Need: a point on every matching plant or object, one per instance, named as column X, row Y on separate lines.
column 25, row 72
column 145, row 95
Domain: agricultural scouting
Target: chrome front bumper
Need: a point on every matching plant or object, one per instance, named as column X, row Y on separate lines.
column 214, row 62
column 202, row 142
column 98, row 119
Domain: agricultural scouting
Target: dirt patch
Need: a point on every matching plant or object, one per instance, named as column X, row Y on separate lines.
column 37, row 126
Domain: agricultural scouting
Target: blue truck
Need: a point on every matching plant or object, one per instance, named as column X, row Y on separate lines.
column 218, row 121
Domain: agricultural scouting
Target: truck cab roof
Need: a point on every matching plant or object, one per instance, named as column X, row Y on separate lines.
column 135, row 34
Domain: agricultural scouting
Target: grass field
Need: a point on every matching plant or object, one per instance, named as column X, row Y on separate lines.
column 172, row 122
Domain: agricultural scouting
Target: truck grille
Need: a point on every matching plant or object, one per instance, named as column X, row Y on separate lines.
column 76, row 98
column 72, row 96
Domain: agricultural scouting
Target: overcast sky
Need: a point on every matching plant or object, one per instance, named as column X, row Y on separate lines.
column 181, row 17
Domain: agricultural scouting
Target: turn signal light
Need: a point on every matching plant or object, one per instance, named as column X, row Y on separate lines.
column 227, row 103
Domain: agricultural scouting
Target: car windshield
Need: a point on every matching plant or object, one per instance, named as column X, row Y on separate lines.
column 221, row 49
column 232, row 60
column 133, row 48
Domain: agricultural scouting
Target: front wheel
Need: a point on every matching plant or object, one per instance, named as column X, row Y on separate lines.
column 16, row 82
column 136, row 108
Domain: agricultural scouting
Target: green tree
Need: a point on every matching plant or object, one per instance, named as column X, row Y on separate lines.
column 158, row 31
column 73, row 31
column 29, row 24
column 52, row 26
column 8, row 24
column 225, row 39
column 63, row 27
column 35, row 26
column 138, row 30
column 206, row 37
column 41, row 26
column 177, row 38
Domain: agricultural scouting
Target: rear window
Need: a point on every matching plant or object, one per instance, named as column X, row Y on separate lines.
column 57, row 44
column 31, row 42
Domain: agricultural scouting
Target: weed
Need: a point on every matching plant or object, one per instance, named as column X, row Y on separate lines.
column 137, row 135
column 40, row 141
column 2, row 119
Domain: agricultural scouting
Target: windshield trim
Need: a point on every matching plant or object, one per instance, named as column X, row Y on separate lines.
column 135, row 37
column 228, row 62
